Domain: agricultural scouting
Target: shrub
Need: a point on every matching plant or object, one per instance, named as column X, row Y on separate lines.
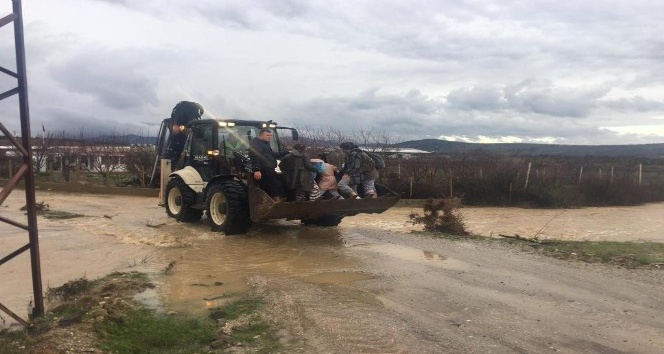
column 442, row 216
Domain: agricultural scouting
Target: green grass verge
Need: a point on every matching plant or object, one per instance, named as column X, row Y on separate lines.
column 628, row 254
column 625, row 254
column 15, row 342
column 144, row 331
column 244, row 306
column 257, row 333
column 55, row 214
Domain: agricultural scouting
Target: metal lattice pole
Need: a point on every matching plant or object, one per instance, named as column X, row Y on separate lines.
column 25, row 171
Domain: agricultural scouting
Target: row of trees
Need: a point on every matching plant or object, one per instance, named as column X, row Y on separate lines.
column 483, row 178
column 480, row 178
column 60, row 157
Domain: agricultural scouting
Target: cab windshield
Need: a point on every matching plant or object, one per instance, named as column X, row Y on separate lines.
column 238, row 138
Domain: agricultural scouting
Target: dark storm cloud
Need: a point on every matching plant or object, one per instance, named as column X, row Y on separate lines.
column 528, row 97
column 636, row 104
column 552, row 100
column 113, row 78
column 258, row 15
column 477, row 98
column 404, row 115
column 414, row 116
column 86, row 123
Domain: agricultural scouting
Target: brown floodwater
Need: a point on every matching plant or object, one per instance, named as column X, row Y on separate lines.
column 198, row 269
column 214, row 269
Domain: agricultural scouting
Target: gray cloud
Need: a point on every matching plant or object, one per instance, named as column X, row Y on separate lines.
column 477, row 98
column 421, row 68
column 635, row 104
column 85, row 124
column 551, row 100
column 114, row 78
column 414, row 115
column 529, row 97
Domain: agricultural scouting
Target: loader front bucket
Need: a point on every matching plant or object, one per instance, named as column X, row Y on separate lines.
column 263, row 207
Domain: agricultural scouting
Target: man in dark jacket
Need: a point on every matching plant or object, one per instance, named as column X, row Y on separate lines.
column 263, row 163
column 298, row 172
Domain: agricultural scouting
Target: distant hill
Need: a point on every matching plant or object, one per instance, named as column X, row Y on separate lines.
column 519, row 149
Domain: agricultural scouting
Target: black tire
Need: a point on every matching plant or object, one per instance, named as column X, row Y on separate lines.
column 179, row 198
column 227, row 207
column 325, row 221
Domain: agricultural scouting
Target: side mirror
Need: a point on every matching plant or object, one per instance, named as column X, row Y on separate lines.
column 296, row 136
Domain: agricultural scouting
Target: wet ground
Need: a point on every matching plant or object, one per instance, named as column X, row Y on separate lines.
column 368, row 285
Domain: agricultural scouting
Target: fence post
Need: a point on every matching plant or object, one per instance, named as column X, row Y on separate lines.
column 525, row 186
column 611, row 174
column 411, row 188
column 640, row 172
column 451, row 190
column 510, row 192
column 580, row 174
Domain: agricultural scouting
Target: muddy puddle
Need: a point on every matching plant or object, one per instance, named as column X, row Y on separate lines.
column 198, row 269
column 213, row 270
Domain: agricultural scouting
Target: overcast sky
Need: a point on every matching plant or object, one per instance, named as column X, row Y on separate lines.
column 558, row 71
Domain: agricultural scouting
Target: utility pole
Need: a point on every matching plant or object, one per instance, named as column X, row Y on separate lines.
column 25, row 171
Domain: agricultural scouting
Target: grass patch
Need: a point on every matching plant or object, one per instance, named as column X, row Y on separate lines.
column 628, row 254
column 14, row 342
column 67, row 311
column 258, row 335
column 144, row 331
column 44, row 210
column 68, row 290
column 248, row 328
column 624, row 254
column 244, row 306
column 137, row 276
column 449, row 236
column 56, row 214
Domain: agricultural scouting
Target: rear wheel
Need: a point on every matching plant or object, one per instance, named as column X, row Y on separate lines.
column 326, row 221
column 228, row 208
column 179, row 198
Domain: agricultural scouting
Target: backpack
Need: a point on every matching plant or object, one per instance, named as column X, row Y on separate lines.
column 378, row 161
column 367, row 162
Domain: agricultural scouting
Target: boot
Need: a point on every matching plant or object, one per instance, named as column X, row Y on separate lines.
column 278, row 199
column 354, row 196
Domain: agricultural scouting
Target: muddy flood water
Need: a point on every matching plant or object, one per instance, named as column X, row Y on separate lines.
column 197, row 269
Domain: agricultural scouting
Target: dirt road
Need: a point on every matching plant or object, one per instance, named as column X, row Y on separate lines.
column 368, row 285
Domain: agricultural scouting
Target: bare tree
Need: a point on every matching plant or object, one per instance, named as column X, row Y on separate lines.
column 104, row 155
column 138, row 160
column 40, row 151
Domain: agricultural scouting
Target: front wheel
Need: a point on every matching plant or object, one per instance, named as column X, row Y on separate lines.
column 179, row 198
column 228, row 208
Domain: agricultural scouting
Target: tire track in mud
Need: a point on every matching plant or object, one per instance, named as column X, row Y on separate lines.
column 323, row 318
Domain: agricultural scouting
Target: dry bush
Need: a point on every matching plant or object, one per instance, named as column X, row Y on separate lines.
column 441, row 216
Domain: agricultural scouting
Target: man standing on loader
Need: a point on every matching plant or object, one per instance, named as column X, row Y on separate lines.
column 264, row 162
